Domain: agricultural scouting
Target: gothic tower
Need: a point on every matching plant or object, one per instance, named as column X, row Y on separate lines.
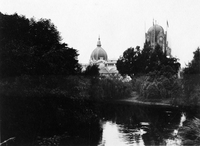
column 156, row 36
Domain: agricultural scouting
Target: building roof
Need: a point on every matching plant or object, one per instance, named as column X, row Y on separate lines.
column 156, row 28
column 99, row 53
column 103, row 70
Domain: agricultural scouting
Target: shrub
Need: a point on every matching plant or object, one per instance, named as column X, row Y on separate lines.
column 157, row 87
column 194, row 98
column 74, row 87
column 92, row 70
column 190, row 133
column 109, row 88
column 40, row 86
column 163, row 91
column 138, row 84
column 152, row 91
column 189, row 82
column 180, row 97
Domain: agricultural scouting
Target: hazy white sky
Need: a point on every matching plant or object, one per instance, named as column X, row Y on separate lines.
column 120, row 23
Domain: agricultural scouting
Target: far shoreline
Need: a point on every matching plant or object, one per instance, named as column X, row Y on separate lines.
column 147, row 103
column 134, row 99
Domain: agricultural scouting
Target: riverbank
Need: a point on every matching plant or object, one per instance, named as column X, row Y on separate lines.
column 135, row 98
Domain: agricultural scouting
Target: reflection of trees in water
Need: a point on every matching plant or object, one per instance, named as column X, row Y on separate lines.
column 73, row 122
column 162, row 121
column 162, row 125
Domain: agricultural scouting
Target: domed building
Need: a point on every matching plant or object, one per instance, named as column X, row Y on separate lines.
column 100, row 57
column 99, row 53
column 156, row 36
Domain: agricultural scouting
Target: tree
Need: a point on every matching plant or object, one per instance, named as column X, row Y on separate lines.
column 92, row 70
column 128, row 64
column 145, row 58
column 13, row 44
column 34, row 48
column 194, row 66
column 136, row 61
column 191, row 74
column 61, row 61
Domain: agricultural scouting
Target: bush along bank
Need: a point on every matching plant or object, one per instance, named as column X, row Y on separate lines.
column 47, row 105
column 189, row 92
column 190, row 132
column 44, row 106
column 109, row 88
column 159, row 88
column 73, row 87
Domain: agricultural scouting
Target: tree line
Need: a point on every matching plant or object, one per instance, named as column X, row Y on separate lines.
column 30, row 47
column 139, row 62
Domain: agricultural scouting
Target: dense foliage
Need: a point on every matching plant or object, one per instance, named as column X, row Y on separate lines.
column 194, row 66
column 190, row 133
column 153, row 87
column 136, row 61
column 109, row 88
column 44, row 106
column 128, row 64
column 191, row 80
column 30, row 47
column 92, row 70
column 70, row 87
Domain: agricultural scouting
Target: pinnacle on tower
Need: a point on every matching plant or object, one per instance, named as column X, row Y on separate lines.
column 99, row 42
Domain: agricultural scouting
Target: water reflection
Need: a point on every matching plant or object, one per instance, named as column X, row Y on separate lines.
column 131, row 125
column 114, row 134
column 175, row 140
column 99, row 123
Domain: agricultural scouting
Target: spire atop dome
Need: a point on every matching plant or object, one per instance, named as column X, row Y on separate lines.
column 99, row 42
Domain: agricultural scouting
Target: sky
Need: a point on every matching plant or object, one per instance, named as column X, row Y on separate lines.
column 119, row 23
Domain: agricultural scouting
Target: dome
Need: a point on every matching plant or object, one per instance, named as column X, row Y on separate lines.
column 155, row 33
column 99, row 53
column 156, row 28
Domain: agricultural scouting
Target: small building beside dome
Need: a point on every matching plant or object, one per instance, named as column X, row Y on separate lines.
column 100, row 57
column 157, row 36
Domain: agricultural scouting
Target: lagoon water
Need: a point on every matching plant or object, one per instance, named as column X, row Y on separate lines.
column 105, row 124
column 136, row 125
column 127, row 124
